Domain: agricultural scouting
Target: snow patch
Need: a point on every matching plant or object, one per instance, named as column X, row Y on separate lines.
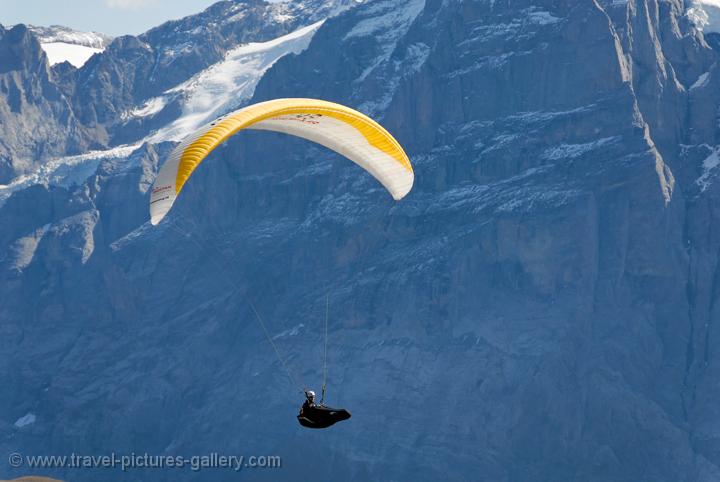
column 415, row 57
column 225, row 85
column 705, row 14
column 77, row 55
column 64, row 44
column 500, row 141
column 216, row 90
column 149, row 108
column 25, row 420
column 65, row 171
column 282, row 12
column 709, row 165
column 534, row 117
column 702, row 81
column 540, row 17
column 57, row 33
column 386, row 22
column 528, row 199
column 387, row 17
column 572, row 151
column 294, row 331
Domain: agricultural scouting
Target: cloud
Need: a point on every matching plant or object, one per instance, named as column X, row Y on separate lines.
column 129, row 4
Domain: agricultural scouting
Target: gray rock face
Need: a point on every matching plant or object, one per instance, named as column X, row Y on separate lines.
column 541, row 307
column 70, row 110
column 36, row 119
column 135, row 69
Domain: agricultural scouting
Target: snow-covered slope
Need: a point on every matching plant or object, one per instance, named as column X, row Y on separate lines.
column 66, row 171
column 58, row 33
column 62, row 44
column 214, row 91
column 225, row 85
column 77, row 55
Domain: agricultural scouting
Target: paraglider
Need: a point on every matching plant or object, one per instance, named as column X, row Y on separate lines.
column 339, row 128
column 319, row 416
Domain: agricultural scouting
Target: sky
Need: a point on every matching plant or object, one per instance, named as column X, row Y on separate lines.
column 112, row 17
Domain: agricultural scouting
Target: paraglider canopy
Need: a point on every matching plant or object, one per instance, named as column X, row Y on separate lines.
column 342, row 129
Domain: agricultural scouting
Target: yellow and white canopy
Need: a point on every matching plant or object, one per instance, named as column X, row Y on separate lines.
column 344, row 130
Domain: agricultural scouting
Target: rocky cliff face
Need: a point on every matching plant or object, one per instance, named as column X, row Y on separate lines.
column 76, row 110
column 542, row 306
column 37, row 118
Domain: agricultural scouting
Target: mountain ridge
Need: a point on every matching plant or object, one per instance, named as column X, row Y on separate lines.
column 542, row 306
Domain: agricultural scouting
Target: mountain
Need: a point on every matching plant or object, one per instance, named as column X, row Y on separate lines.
column 97, row 98
column 62, row 44
column 60, row 34
column 543, row 306
column 37, row 118
column 705, row 15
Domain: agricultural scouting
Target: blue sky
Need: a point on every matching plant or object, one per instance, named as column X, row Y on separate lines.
column 112, row 17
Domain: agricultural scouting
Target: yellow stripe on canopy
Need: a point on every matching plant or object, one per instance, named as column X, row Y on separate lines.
column 335, row 126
